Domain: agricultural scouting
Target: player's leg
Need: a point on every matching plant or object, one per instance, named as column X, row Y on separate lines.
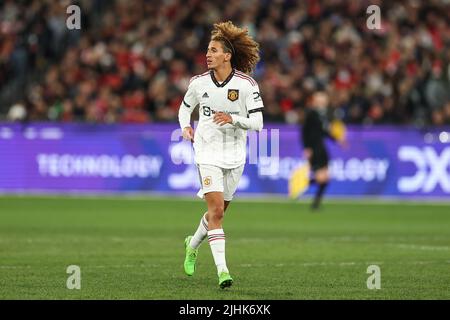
column 322, row 177
column 218, row 202
column 202, row 230
column 230, row 183
column 200, row 234
column 211, row 179
column 216, row 236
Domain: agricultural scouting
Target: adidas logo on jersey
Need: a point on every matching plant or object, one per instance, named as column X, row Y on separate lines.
column 205, row 95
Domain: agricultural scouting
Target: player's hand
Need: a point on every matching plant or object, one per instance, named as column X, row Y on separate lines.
column 188, row 134
column 222, row 118
column 307, row 153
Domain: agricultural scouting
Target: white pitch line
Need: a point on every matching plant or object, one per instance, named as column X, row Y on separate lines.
column 419, row 247
column 84, row 266
column 245, row 265
column 340, row 264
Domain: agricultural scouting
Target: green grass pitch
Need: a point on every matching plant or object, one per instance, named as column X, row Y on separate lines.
column 132, row 248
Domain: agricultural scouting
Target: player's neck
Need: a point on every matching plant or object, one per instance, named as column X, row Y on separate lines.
column 221, row 73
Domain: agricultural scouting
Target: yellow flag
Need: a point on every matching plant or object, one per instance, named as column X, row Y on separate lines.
column 338, row 130
column 299, row 181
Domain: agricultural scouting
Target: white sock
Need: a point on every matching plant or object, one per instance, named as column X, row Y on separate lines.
column 200, row 234
column 216, row 240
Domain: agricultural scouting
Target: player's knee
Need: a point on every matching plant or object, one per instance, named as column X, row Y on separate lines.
column 217, row 210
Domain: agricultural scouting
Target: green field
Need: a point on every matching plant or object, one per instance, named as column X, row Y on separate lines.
column 132, row 248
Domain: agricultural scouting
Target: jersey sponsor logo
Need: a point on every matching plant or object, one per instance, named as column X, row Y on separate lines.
column 256, row 96
column 232, row 112
column 207, row 111
column 233, row 94
column 205, row 95
column 207, row 181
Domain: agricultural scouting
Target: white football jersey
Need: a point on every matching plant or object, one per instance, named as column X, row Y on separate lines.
column 222, row 146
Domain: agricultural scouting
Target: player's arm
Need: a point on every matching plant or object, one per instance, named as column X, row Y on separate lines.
column 254, row 105
column 253, row 122
column 184, row 113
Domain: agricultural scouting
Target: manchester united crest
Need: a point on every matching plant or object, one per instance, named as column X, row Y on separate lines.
column 207, row 181
column 233, row 94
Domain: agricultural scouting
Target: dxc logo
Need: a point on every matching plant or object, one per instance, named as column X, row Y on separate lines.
column 431, row 169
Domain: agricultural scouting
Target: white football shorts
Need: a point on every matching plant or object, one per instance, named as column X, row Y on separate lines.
column 216, row 179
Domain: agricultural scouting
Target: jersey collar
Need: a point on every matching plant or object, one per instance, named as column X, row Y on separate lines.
column 223, row 84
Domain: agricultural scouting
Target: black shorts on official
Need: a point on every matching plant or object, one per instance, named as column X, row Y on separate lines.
column 319, row 160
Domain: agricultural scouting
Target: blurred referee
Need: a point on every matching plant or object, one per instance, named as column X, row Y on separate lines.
column 314, row 131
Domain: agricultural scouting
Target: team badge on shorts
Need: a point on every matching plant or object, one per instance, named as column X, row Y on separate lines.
column 233, row 94
column 207, row 181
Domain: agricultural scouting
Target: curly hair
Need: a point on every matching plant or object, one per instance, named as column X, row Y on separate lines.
column 237, row 41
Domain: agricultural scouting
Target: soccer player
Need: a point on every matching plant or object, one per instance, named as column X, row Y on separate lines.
column 314, row 131
column 229, row 104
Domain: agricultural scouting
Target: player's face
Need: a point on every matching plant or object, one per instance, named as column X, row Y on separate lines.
column 215, row 56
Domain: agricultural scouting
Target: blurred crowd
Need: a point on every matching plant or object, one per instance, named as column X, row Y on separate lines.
column 132, row 59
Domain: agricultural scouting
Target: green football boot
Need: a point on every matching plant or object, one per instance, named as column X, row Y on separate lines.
column 191, row 257
column 225, row 280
